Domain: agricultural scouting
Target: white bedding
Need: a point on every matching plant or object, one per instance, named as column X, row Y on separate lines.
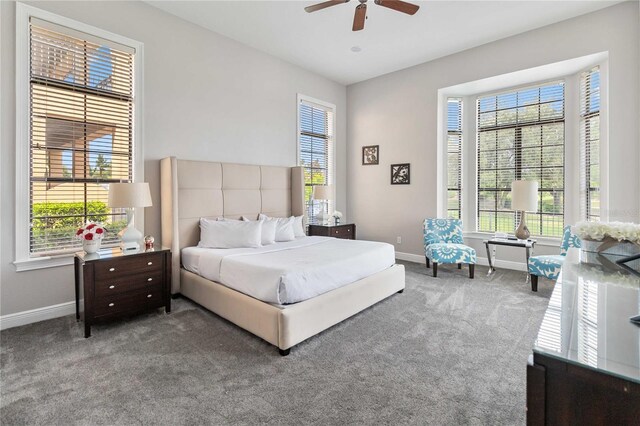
column 292, row 271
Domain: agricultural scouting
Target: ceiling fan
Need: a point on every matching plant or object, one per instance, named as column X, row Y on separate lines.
column 361, row 9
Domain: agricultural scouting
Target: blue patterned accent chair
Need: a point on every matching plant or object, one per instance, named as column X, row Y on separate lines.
column 443, row 243
column 548, row 266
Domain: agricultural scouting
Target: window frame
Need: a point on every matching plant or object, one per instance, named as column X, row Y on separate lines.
column 586, row 155
column 517, row 127
column 24, row 261
column 460, row 134
column 331, row 173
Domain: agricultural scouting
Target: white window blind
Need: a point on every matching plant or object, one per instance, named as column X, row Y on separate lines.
column 316, row 152
column 521, row 137
column 81, row 132
column 454, row 158
column 590, row 144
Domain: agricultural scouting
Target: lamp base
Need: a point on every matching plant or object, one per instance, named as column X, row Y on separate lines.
column 130, row 236
column 522, row 232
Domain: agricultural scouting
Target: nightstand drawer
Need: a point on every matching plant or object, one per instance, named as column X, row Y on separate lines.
column 114, row 286
column 129, row 302
column 124, row 267
column 341, row 232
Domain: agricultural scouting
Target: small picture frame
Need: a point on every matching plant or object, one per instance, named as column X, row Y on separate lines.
column 401, row 174
column 370, row 155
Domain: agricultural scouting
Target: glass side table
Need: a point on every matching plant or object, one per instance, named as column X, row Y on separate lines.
column 528, row 245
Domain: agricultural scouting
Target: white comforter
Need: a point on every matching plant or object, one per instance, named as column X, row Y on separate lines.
column 291, row 272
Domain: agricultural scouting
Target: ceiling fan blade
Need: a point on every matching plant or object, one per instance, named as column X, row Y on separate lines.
column 400, row 6
column 324, row 5
column 359, row 17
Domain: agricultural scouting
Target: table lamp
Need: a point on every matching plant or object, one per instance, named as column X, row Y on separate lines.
column 129, row 196
column 524, row 198
column 323, row 193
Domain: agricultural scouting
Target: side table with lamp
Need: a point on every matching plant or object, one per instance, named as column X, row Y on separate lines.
column 119, row 282
column 524, row 198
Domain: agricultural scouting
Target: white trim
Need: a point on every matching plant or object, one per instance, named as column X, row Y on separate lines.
column 43, row 262
column 24, row 261
column 503, row 264
column 409, row 257
column 37, row 315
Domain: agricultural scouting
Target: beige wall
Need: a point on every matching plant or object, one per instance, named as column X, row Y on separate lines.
column 398, row 111
column 206, row 97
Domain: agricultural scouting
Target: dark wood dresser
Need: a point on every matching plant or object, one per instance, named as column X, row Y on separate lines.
column 585, row 367
column 346, row 231
column 115, row 285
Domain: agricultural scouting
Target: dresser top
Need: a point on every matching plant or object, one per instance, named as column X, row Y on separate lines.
column 113, row 253
column 587, row 320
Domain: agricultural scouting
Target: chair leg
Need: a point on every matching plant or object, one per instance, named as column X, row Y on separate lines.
column 427, row 259
column 472, row 268
column 435, row 269
column 534, row 282
column 459, row 265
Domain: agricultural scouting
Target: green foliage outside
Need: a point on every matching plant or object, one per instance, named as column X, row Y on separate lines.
column 52, row 229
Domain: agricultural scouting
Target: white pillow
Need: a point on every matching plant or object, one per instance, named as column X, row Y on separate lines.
column 284, row 227
column 229, row 233
column 298, row 226
column 268, row 235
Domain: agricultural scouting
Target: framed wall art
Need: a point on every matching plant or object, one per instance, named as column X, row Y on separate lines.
column 370, row 155
column 401, row 174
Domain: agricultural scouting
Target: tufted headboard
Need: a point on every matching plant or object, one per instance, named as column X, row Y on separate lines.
column 194, row 189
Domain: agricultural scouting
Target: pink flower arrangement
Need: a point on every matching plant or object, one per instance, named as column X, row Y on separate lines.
column 91, row 231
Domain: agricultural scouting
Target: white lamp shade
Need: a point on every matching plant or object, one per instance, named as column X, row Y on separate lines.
column 129, row 195
column 323, row 192
column 524, row 195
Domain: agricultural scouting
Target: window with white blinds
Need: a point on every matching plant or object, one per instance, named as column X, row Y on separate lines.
column 81, row 133
column 590, row 144
column 454, row 158
column 316, row 152
column 521, row 137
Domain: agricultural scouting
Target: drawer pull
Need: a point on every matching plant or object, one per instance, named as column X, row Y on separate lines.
column 149, row 279
column 337, row 232
column 111, row 304
column 149, row 263
column 348, row 229
column 148, row 296
column 112, row 286
column 112, row 269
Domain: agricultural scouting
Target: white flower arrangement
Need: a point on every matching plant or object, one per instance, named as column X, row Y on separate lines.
column 337, row 214
column 598, row 231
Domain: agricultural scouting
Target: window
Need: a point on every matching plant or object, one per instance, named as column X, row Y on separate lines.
column 454, row 158
column 76, row 104
column 521, row 136
column 316, row 150
column 590, row 144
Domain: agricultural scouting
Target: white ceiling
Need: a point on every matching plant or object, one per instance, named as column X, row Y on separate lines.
column 322, row 41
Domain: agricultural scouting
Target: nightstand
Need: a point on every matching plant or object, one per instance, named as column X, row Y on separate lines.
column 115, row 285
column 346, row 231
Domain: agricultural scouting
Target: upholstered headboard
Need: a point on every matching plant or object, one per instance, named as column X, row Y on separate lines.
column 194, row 189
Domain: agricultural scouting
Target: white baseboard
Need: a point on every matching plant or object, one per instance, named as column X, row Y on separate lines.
column 37, row 315
column 504, row 264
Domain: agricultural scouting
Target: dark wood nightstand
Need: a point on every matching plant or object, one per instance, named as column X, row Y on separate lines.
column 346, row 231
column 116, row 285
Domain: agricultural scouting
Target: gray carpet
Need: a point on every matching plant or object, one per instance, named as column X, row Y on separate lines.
column 448, row 350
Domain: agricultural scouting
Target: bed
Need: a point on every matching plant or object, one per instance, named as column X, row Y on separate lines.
column 194, row 189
